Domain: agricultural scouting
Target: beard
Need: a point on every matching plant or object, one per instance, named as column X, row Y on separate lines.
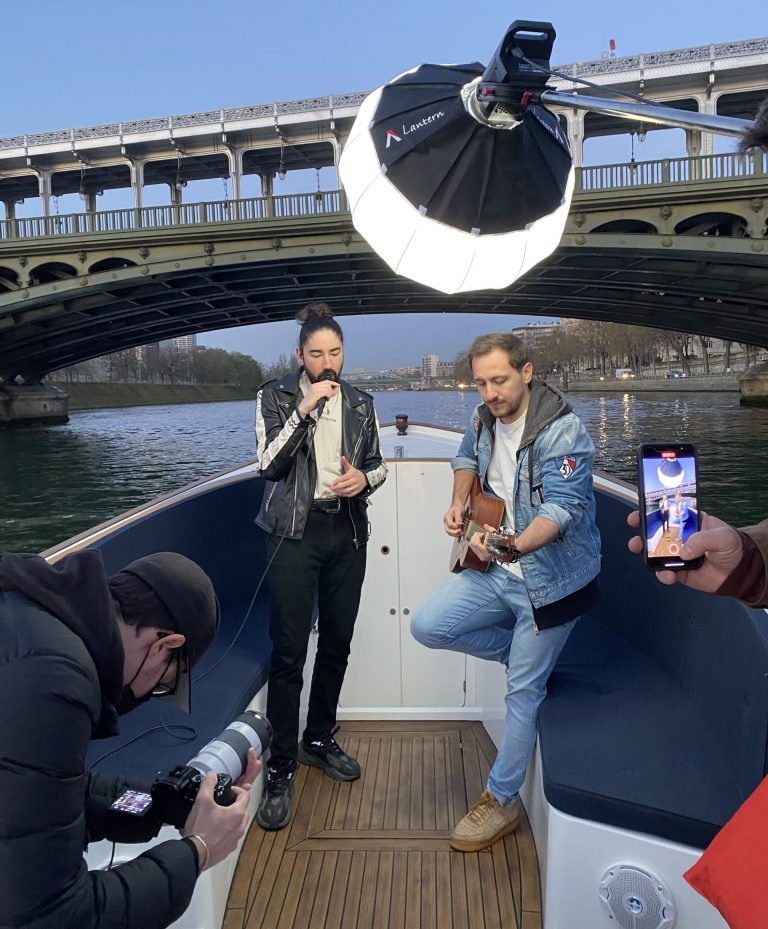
column 327, row 374
column 505, row 409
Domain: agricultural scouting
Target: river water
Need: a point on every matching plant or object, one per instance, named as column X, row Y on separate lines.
column 56, row 481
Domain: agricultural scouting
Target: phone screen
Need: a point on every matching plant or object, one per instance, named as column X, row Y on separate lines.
column 669, row 502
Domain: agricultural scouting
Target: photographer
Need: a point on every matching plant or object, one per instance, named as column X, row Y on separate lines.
column 76, row 650
column 735, row 560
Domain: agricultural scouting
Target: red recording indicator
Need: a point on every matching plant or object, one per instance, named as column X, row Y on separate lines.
column 672, row 455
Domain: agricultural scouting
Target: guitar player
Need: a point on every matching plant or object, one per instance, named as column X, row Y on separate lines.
column 527, row 450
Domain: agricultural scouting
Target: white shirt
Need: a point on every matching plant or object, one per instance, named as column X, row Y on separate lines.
column 502, row 470
column 327, row 442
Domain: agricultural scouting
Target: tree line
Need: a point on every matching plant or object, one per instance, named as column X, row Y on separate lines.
column 590, row 347
column 151, row 364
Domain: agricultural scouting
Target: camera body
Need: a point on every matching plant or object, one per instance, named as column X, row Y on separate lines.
column 173, row 796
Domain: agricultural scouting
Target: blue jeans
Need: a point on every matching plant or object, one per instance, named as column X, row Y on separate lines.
column 490, row 616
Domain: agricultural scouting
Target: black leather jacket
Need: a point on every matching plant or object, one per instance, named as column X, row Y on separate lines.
column 291, row 473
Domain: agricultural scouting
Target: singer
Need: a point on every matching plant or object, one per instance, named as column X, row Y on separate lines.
column 318, row 448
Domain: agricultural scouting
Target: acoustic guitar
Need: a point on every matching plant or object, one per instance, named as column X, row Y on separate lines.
column 481, row 510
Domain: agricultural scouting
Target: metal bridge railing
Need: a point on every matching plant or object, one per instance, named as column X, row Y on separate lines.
column 186, row 214
column 671, row 171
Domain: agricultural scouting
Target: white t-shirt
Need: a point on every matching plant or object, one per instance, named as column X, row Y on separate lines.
column 502, row 470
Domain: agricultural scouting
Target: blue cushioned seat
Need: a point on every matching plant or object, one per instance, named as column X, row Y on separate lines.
column 656, row 718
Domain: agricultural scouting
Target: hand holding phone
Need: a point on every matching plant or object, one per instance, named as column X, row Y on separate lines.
column 668, row 481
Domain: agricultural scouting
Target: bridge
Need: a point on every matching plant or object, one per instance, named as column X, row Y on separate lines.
column 273, row 139
column 381, row 381
column 677, row 243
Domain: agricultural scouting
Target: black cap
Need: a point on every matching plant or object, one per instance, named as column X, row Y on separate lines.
column 187, row 593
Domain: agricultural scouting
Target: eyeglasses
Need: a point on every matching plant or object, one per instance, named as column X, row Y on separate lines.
column 161, row 689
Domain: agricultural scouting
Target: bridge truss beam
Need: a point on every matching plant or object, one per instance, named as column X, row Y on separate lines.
column 712, row 286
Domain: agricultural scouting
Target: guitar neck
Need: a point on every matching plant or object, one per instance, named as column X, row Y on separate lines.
column 470, row 528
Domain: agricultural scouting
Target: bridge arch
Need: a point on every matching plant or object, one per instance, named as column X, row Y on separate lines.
column 9, row 279
column 52, row 271
column 714, row 223
column 625, row 225
column 111, row 264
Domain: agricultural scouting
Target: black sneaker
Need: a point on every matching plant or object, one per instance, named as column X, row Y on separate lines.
column 274, row 810
column 330, row 757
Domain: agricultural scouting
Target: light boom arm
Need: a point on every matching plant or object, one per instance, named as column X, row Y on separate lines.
column 650, row 113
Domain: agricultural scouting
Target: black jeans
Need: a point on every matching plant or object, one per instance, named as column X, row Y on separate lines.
column 326, row 569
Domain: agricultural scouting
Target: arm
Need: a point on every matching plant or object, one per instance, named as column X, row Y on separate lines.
column 566, row 455
column 374, row 467
column 372, row 471
column 539, row 532
column 276, row 442
column 462, row 484
column 735, row 561
column 465, row 470
column 103, row 823
column 758, row 536
column 45, row 881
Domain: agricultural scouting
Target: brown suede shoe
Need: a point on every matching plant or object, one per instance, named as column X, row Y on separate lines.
column 485, row 823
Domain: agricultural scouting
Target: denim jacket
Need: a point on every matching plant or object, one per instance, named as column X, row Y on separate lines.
column 553, row 480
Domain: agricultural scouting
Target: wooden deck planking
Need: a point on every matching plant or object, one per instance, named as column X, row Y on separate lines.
column 374, row 853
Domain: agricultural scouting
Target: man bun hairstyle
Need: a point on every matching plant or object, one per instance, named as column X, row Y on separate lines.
column 517, row 351
column 316, row 316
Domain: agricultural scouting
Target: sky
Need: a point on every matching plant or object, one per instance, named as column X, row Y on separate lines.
column 86, row 62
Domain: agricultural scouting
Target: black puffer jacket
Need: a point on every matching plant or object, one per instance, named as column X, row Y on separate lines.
column 61, row 674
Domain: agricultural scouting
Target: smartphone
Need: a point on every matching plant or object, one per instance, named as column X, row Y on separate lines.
column 668, row 480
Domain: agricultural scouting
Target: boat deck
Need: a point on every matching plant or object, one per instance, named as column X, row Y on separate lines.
column 374, row 854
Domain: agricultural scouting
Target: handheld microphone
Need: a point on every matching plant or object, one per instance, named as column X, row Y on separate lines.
column 327, row 375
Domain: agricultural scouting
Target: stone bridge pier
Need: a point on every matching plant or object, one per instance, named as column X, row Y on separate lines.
column 28, row 404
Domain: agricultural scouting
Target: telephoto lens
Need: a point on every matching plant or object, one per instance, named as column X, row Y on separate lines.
column 226, row 756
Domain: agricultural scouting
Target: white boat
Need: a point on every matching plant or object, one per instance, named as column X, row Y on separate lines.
column 652, row 734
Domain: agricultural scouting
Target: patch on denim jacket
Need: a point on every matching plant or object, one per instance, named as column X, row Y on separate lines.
column 567, row 467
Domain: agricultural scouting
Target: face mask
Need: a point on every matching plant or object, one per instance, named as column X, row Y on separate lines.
column 129, row 701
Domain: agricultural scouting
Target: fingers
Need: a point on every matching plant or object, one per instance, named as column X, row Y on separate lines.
column 242, row 796
column 635, row 545
column 207, row 786
column 252, row 769
column 634, row 519
column 672, row 577
column 349, row 484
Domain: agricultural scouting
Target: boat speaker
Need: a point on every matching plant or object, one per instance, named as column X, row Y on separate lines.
column 633, row 898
